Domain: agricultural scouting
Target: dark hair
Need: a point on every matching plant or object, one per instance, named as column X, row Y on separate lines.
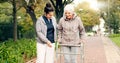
column 48, row 8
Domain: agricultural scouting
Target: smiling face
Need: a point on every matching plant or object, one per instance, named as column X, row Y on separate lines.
column 68, row 15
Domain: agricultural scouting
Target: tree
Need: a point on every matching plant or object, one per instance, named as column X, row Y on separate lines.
column 89, row 16
column 14, row 20
column 13, row 2
column 5, row 21
column 17, row 5
column 112, row 16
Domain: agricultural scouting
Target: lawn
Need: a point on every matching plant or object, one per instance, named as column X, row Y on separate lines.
column 115, row 38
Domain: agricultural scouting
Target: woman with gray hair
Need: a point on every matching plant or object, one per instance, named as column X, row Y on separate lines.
column 71, row 32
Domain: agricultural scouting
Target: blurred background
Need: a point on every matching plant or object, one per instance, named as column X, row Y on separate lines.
column 18, row 18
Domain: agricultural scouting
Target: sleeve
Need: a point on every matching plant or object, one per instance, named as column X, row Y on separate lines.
column 56, row 28
column 60, row 29
column 40, row 35
column 81, row 29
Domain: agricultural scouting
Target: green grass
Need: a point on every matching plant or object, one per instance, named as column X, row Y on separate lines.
column 115, row 38
column 17, row 52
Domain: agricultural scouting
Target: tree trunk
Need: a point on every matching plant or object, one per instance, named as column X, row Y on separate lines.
column 14, row 21
column 59, row 9
column 31, row 12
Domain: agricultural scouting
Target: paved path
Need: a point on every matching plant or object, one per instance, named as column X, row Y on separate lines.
column 111, row 50
column 99, row 50
column 94, row 50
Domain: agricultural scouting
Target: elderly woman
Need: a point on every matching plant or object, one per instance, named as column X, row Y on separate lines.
column 71, row 32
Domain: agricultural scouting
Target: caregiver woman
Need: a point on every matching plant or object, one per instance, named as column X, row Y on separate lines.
column 46, row 35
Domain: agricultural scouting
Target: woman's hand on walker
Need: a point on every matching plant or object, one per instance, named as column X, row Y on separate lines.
column 49, row 44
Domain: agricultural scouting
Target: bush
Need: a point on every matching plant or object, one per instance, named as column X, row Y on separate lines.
column 6, row 31
column 28, row 34
column 17, row 52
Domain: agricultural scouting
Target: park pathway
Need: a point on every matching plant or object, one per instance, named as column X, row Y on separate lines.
column 111, row 50
column 94, row 50
column 98, row 49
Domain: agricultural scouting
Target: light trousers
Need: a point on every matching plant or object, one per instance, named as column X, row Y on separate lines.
column 45, row 54
column 70, row 58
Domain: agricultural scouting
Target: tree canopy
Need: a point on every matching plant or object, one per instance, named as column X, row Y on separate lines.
column 111, row 14
column 89, row 16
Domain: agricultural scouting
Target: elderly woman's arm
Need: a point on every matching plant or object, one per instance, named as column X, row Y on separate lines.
column 60, row 28
column 81, row 29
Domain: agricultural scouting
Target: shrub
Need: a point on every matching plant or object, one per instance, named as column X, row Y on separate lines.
column 17, row 52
